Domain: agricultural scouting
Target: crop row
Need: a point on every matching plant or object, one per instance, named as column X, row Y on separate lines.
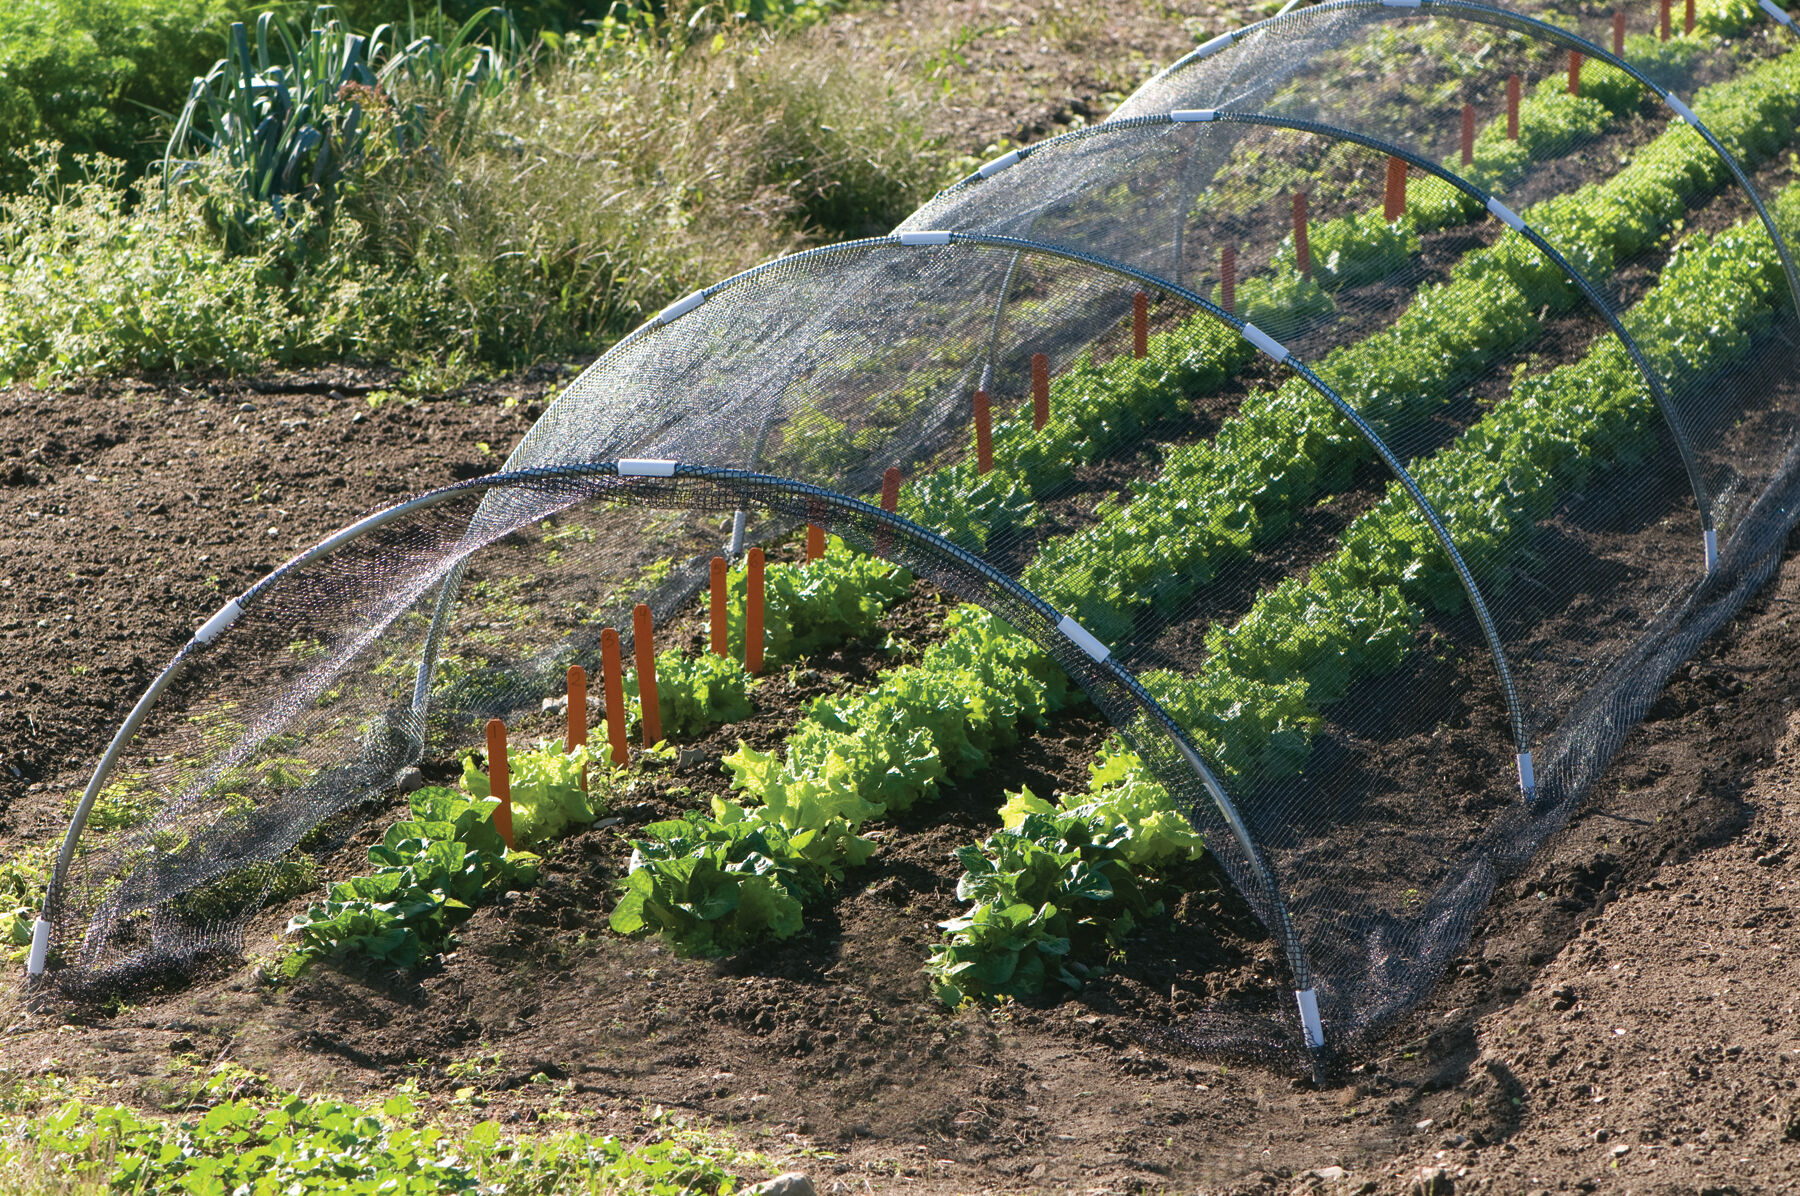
column 886, row 748
column 1095, row 408
column 859, row 756
column 1050, row 874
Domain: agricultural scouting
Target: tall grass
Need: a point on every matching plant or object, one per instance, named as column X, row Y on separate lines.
column 542, row 223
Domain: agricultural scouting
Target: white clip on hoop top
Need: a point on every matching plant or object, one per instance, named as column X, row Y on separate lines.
column 1683, row 111
column 680, row 307
column 645, row 467
column 1272, row 348
column 1084, row 638
column 990, row 169
column 1505, row 215
column 924, row 237
column 1208, row 49
column 1777, row 15
column 1194, row 116
column 214, row 627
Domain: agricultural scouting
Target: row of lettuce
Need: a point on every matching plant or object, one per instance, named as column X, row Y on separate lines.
column 1257, row 706
column 721, row 880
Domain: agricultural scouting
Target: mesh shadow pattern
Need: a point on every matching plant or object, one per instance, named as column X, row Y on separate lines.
column 1385, row 401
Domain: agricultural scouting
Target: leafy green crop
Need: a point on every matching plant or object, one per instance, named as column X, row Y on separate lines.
column 1154, row 832
column 431, row 870
column 551, row 788
column 810, row 607
column 695, row 692
column 711, row 887
column 1046, row 888
column 250, row 1138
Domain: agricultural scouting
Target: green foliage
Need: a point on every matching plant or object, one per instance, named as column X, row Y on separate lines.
column 695, row 692
column 253, row 1139
column 91, row 74
column 711, row 887
column 1046, row 888
column 289, row 120
column 430, row 871
column 1216, row 500
column 551, row 789
column 23, row 878
column 1153, row 832
column 712, row 156
column 818, row 605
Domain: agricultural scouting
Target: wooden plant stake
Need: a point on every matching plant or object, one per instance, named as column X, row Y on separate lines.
column 499, row 780
column 1687, row 20
column 1395, row 206
column 1468, row 135
column 1665, row 20
column 719, row 647
column 984, row 434
column 1140, row 325
column 1513, row 86
column 1619, row 33
column 890, row 502
column 815, row 542
column 613, row 677
column 577, row 688
column 1228, row 279
column 643, row 643
column 1302, row 247
column 1575, row 57
column 1040, row 391
column 753, row 613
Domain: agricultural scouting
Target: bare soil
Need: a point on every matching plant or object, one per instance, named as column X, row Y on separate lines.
column 1624, row 1019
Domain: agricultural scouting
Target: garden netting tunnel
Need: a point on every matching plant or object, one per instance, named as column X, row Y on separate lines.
column 1384, row 388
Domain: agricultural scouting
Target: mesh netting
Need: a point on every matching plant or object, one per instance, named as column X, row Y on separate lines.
column 1397, row 447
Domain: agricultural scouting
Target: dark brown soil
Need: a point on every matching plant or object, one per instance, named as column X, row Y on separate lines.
column 1633, row 989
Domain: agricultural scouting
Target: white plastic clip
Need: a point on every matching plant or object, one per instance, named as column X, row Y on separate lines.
column 1084, row 638
column 1308, row 1000
column 645, row 467
column 925, row 237
column 1194, row 116
column 1276, row 351
column 1683, row 111
column 1208, row 49
column 1400, row 3
column 680, row 307
column 1505, row 215
column 1711, row 537
column 1777, row 15
column 990, row 169
column 736, row 547
column 1527, row 777
column 40, row 947
column 215, row 626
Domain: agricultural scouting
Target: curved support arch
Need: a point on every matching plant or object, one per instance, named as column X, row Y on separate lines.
column 1066, row 641
column 1279, row 354
column 1487, row 14
column 1658, row 392
column 1264, row 343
